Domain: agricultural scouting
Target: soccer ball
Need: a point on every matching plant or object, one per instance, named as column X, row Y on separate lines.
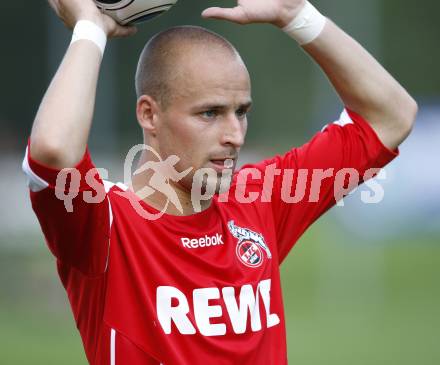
column 128, row 12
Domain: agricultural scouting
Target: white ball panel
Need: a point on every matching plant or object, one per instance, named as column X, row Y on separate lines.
column 130, row 11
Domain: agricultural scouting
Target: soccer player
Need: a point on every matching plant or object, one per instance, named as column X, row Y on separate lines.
column 195, row 287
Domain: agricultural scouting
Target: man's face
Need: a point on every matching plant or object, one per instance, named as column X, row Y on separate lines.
column 205, row 122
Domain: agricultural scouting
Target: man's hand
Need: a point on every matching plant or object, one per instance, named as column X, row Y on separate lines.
column 277, row 12
column 71, row 11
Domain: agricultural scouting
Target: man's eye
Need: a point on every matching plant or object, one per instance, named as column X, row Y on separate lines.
column 241, row 113
column 210, row 113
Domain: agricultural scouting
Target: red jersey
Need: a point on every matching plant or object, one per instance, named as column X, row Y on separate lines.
column 191, row 290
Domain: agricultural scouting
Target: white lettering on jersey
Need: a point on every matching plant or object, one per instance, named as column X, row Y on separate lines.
column 248, row 304
column 206, row 241
column 203, row 311
column 166, row 313
column 272, row 318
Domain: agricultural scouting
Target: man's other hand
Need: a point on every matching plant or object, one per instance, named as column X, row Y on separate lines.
column 277, row 12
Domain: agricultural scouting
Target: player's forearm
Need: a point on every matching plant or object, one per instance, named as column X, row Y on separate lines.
column 363, row 84
column 62, row 124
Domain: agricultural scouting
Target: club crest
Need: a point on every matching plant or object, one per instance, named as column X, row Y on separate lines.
column 250, row 246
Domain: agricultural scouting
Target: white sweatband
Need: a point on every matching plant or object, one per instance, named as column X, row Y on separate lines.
column 85, row 29
column 307, row 25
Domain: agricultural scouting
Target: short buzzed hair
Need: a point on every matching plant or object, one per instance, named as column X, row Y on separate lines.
column 159, row 60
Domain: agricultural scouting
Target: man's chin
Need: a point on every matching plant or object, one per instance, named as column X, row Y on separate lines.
column 213, row 185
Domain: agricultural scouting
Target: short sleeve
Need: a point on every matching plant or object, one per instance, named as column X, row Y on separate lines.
column 77, row 234
column 311, row 175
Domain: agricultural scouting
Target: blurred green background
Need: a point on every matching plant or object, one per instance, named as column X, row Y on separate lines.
column 362, row 285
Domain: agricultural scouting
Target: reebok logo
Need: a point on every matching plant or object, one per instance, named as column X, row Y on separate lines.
column 206, row 241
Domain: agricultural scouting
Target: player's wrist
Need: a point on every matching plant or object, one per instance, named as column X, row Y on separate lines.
column 306, row 25
column 287, row 15
column 96, row 18
column 93, row 31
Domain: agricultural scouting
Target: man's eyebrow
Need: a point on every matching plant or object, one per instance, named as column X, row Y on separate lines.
column 211, row 106
column 246, row 105
column 220, row 106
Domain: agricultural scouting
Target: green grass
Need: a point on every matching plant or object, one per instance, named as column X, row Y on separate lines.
column 358, row 304
column 346, row 303
column 30, row 336
column 36, row 326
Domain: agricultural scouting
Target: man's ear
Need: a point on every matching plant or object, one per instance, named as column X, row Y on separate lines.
column 147, row 110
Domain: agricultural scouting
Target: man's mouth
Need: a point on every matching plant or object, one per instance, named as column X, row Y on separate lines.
column 223, row 163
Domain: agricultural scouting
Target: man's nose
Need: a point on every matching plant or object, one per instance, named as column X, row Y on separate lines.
column 234, row 131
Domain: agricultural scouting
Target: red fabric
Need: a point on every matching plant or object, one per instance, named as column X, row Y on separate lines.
column 79, row 238
column 355, row 146
column 148, row 258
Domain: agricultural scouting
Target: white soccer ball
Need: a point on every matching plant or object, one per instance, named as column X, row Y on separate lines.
column 127, row 12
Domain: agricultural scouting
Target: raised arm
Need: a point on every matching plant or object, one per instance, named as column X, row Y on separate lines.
column 361, row 82
column 61, row 127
